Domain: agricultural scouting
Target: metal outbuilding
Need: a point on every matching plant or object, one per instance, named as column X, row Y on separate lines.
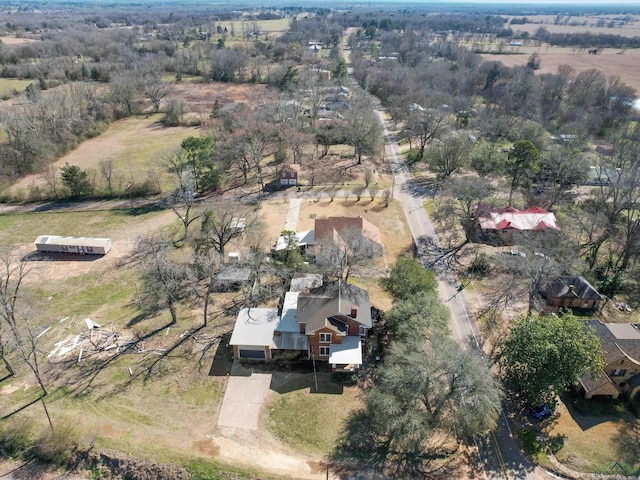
column 77, row 245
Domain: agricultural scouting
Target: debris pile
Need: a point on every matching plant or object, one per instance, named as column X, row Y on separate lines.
column 96, row 339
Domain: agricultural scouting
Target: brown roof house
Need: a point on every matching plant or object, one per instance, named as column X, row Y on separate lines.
column 507, row 226
column 621, row 349
column 347, row 231
column 326, row 323
column 575, row 293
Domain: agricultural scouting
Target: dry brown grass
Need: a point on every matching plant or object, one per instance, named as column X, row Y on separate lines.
column 609, row 61
column 135, row 145
column 590, row 443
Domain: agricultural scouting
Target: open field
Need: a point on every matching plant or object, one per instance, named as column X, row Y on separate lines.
column 268, row 26
column 632, row 30
column 135, row 145
column 8, row 85
column 200, row 97
column 11, row 40
column 609, row 61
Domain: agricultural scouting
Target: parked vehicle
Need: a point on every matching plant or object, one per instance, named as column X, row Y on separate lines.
column 541, row 412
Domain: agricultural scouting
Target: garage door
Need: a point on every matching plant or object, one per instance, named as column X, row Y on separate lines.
column 252, row 354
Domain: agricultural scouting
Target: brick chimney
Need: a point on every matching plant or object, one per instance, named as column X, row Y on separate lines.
column 354, row 312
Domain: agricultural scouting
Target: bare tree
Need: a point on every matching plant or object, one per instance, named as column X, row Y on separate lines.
column 164, row 280
column 156, row 90
column 449, row 156
column 106, row 170
column 183, row 197
column 16, row 317
column 424, row 125
column 50, row 175
column 362, row 128
column 220, row 224
column 349, row 249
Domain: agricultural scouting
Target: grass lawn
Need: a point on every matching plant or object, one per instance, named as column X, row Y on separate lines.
column 8, row 85
column 311, row 422
column 591, row 443
column 24, row 228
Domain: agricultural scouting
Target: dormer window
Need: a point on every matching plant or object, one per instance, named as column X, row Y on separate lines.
column 325, row 338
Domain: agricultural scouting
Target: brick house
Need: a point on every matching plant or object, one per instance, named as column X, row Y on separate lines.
column 621, row 350
column 341, row 231
column 572, row 292
column 325, row 323
column 335, row 317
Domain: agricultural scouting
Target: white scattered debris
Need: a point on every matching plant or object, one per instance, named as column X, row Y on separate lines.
column 43, row 332
column 91, row 324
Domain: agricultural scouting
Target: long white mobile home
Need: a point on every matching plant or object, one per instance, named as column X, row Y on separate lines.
column 78, row 245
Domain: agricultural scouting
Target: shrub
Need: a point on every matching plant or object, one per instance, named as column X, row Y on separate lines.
column 480, row 265
column 56, row 447
column 15, row 436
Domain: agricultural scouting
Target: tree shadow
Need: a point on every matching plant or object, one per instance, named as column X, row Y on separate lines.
column 588, row 413
column 29, row 470
column 223, row 358
column 319, row 382
column 627, row 443
column 89, row 371
column 359, row 447
column 423, row 187
column 59, row 257
column 144, row 209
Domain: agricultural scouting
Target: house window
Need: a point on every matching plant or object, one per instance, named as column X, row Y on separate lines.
column 618, row 372
column 324, row 351
column 363, row 330
column 325, row 338
column 585, row 305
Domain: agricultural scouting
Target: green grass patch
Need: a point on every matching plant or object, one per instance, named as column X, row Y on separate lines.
column 9, row 85
column 20, row 228
column 310, row 422
column 114, row 297
column 531, row 444
column 208, row 471
column 599, row 406
column 142, row 153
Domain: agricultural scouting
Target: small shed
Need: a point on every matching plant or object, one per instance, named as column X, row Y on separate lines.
column 289, row 175
column 77, row 245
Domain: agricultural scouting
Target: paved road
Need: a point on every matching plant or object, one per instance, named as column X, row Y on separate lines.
column 500, row 455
